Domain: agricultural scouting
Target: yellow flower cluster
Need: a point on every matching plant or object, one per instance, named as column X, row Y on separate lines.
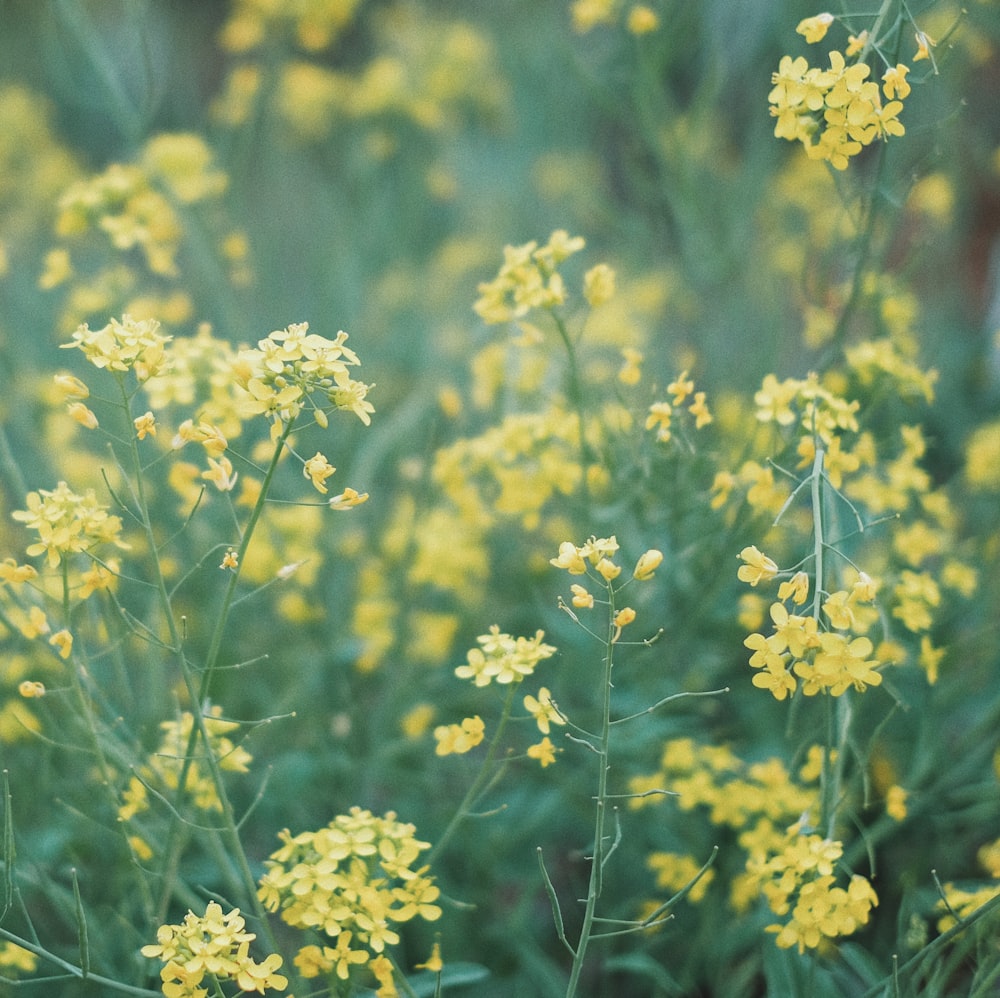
column 825, row 661
column 16, row 959
column 799, row 880
column 641, row 19
column 279, row 378
column 512, row 469
column 528, row 279
column 213, row 945
column 835, row 112
column 789, row 866
column 457, row 739
column 682, row 394
column 126, row 345
column 165, row 766
column 503, row 658
column 68, row 523
column 354, row 880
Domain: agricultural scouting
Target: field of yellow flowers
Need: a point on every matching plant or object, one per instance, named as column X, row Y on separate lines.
column 499, row 499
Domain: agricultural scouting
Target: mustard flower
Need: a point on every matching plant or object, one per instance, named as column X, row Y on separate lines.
column 776, row 678
column 680, row 388
column 230, row 559
column 814, row 28
column 570, row 559
column 599, row 285
column 347, row 499
column 758, row 567
column 145, row 425
column 796, row 588
column 895, row 802
column 63, row 642
column 856, row 44
column 543, row 710
column 894, row 82
column 607, row 569
column 924, row 44
column 318, row 469
column 67, row 523
column 17, row 958
column 699, row 409
column 71, row 387
column 11, row 571
column 544, row 751
column 838, row 610
column 433, row 963
column 581, row 598
column 649, row 561
column 503, row 658
column 31, row 689
column 660, row 414
column 124, row 345
column 221, row 474
column 624, row 617
column 83, row 415
column 642, row 20
column 457, row 739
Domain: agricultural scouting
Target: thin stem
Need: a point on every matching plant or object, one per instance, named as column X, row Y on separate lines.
column 600, row 806
column 483, row 780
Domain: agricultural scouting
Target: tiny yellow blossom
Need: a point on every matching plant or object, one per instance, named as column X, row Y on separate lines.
column 895, row 802
column 570, row 559
column 581, row 598
column 457, row 739
column 544, row 752
column 630, row 372
column 84, row 416
column 145, row 425
column 221, row 473
column 649, row 561
column 797, row 587
column 543, row 710
column 924, row 44
column 30, row 689
column 681, row 388
column 642, row 20
column 894, row 83
column 62, row 640
column 348, row 499
column 608, row 569
column 599, row 285
column 71, row 387
column 699, row 409
column 814, row 28
column 230, row 559
column 317, row 469
column 659, row 416
column 434, row 963
column 758, row 567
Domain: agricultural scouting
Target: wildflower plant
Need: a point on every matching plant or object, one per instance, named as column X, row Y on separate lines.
column 718, row 354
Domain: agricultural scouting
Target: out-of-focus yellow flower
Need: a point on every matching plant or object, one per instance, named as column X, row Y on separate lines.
column 814, row 29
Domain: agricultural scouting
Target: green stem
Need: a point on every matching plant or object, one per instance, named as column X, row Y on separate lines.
column 600, row 807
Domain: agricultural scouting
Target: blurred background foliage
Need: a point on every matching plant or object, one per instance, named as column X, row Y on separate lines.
column 366, row 163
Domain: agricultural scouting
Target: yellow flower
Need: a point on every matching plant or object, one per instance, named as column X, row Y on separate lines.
column 699, row 409
column 894, row 82
column 544, row 752
column 599, row 285
column 84, row 416
column 145, row 425
column 230, row 559
column 348, row 499
column 895, row 802
column 758, row 567
column 30, row 689
column 543, row 710
column 581, row 598
column 433, row 963
column 649, row 561
column 569, row 558
column 681, row 388
column 457, row 739
column 924, row 44
column 659, row 416
column 814, row 28
column 221, row 474
column 62, row 640
column 797, row 587
column 71, row 387
column 318, row 470
column 642, row 20
column 608, row 570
